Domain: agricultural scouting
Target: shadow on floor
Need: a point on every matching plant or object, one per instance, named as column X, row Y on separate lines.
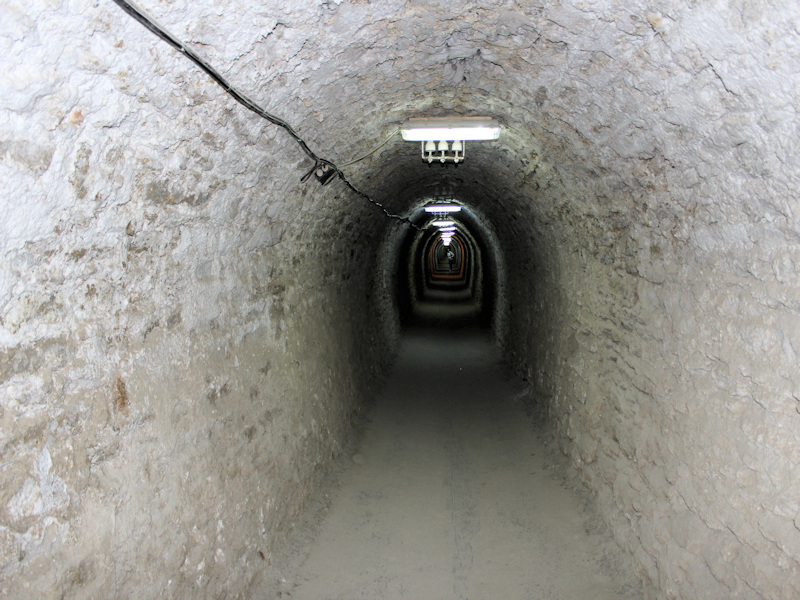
column 443, row 313
column 451, row 492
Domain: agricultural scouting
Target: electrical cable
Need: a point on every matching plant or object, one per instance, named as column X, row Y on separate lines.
column 323, row 169
column 373, row 151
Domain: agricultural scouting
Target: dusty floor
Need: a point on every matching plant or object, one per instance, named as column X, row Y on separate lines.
column 450, row 492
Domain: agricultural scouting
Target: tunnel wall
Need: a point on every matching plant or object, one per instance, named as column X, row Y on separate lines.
column 644, row 197
column 186, row 329
column 655, row 315
column 669, row 373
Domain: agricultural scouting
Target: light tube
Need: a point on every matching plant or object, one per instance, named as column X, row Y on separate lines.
column 443, row 208
column 426, row 129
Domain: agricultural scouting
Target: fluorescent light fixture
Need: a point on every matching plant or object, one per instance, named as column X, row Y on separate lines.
column 450, row 229
column 443, row 223
column 446, row 242
column 436, row 129
column 443, row 208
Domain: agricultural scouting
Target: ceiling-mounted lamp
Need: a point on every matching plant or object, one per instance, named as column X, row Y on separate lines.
column 433, row 129
column 443, row 139
column 442, row 208
column 443, row 223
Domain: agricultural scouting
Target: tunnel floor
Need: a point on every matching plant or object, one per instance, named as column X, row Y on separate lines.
column 451, row 491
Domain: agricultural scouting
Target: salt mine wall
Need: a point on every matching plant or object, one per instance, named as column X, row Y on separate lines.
column 187, row 329
column 657, row 317
column 670, row 382
column 183, row 348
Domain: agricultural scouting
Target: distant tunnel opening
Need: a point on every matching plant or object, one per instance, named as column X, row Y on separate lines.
column 437, row 283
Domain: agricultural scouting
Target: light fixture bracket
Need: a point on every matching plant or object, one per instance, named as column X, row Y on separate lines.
column 442, row 151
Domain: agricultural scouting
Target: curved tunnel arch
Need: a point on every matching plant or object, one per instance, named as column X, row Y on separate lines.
column 408, row 251
column 171, row 288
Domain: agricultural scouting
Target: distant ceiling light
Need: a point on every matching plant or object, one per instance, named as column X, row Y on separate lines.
column 446, row 242
column 443, row 223
column 450, row 229
column 443, row 139
column 443, row 208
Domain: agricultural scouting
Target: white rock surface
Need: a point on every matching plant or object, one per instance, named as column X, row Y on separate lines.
column 186, row 328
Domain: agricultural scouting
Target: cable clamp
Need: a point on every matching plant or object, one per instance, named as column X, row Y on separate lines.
column 323, row 171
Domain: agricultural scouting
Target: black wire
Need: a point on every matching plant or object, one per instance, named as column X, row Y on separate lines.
column 378, row 204
column 215, row 75
column 149, row 24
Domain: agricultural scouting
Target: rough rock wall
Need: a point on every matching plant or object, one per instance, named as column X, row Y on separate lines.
column 643, row 192
column 658, row 321
column 185, row 327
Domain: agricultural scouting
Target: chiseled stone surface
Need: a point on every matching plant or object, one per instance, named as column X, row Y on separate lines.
column 186, row 328
column 181, row 354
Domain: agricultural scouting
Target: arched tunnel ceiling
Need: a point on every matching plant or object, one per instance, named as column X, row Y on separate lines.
column 626, row 99
column 170, row 283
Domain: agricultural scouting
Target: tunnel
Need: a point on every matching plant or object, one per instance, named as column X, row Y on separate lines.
column 439, row 279
column 192, row 321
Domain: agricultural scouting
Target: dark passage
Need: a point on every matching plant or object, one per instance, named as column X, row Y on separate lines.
column 450, row 492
